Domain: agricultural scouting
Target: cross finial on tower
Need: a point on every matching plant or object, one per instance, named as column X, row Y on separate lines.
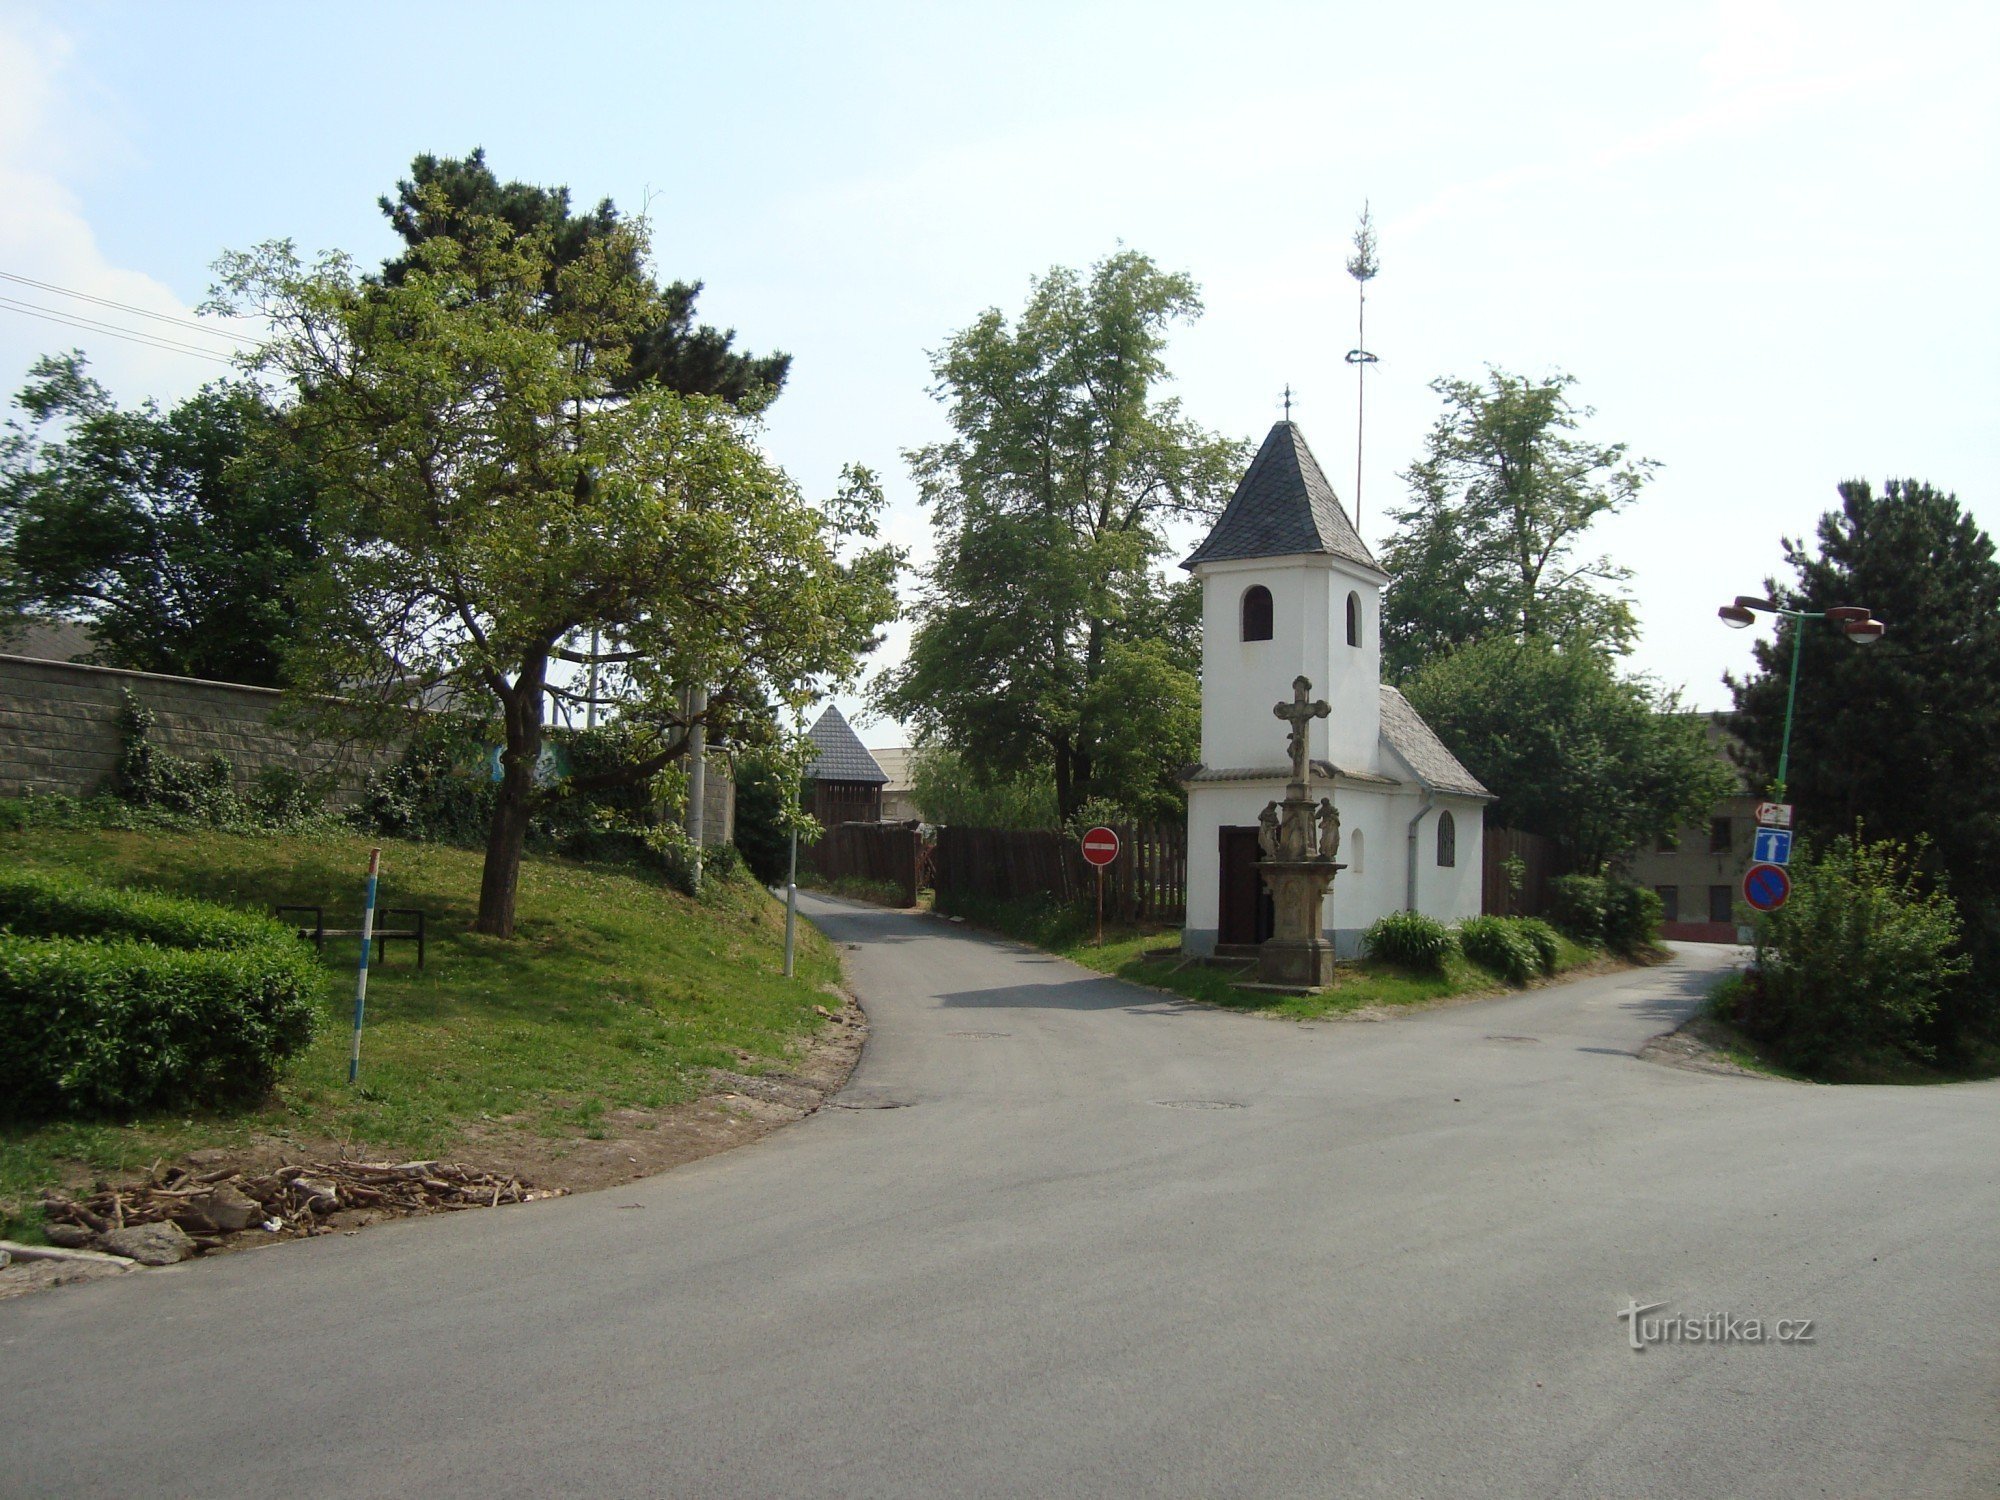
column 1288, row 401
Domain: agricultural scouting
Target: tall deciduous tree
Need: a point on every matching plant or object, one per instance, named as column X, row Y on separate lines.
column 177, row 534
column 1598, row 763
column 1903, row 735
column 497, row 485
column 1048, row 504
column 1488, row 544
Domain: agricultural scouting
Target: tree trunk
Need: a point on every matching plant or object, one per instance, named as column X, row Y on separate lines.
column 501, row 877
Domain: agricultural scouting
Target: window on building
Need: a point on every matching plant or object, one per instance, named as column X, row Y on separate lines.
column 1720, row 836
column 1722, row 903
column 1670, row 902
column 1351, row 848
column 1447, row 841
column 1353, row 619
column 1256, row 613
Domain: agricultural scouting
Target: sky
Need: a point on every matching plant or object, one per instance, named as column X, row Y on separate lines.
column 1759, row 235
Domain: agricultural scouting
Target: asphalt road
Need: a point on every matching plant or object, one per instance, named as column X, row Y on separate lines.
column 1105, row 1244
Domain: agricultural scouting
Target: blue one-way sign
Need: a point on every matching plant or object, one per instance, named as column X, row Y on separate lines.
column 1773, row 847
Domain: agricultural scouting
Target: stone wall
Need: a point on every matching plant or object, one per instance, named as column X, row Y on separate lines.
column 59, row 733
column 59, row 727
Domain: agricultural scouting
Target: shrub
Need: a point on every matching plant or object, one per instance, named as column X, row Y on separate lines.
column 34, row 904
column 1631, row 916
column 1498, row 944
column 1411, row 939
column 98, row 1027
column 1543, row 938
column 1577, row 905
column 439, row 789
column 1856, row 960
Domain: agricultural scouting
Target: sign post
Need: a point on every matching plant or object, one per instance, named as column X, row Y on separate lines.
column 361, row 983
column 1100, row 848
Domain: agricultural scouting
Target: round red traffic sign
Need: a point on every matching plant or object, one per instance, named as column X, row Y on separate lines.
column 1767, row 887
column 1100, row 846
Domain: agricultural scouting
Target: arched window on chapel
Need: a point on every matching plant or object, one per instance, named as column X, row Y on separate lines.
column 1256, row 613
column 1353, row 619
column 1447, row 841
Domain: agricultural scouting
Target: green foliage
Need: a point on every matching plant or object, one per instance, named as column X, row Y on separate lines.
column 1578, row 904
column 1598, row 763
column 1632, row 915
column 1411, row 939
column 40, row 903
column 1854, row 965
column 165, row 790
column 120, row 1000
column 503, row 481
column 950, row 792
column 1903, row 735
column 438, row 788
column 1543, row 938
column 1496, row 943
column 1486, row 546
column 1044, row 620
column 765, row 783
column 178, row 535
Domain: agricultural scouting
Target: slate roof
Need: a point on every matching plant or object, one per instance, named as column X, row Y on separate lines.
column 1283, row 505
column 1422, row 751
column 842, row 756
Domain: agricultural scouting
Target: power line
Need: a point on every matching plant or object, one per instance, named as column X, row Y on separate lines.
column 127, row 307
column 90, row 325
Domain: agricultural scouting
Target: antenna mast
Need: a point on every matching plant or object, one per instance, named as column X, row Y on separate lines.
column 1362, row 266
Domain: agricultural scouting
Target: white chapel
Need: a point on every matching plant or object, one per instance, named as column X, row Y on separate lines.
column 1289, row 589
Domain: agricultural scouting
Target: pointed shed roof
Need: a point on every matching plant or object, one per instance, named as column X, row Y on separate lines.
column 842, row 756
column 1283, row 505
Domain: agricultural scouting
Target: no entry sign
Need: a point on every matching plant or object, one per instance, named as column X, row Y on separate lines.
column 1767, row 887
column 1100, row 846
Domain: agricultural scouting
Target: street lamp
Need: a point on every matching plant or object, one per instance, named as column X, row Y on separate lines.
column 1854, row 621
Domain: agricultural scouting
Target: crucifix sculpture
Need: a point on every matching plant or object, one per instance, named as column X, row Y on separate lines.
column 1300, row 713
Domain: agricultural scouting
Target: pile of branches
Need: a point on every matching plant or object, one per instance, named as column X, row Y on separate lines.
column 291, row 1201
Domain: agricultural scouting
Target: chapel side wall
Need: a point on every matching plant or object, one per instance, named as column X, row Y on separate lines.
column 59, row 728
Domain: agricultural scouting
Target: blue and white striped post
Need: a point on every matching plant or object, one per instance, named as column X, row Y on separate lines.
column 361, row 984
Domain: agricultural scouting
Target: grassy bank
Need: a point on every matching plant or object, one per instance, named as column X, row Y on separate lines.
column 1071, row 932
column 617, row 993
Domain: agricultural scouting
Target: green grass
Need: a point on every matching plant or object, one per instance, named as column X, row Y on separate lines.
column 1071, row 932
column 618, row 992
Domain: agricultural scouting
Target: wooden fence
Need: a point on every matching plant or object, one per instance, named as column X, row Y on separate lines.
column 1146, row 883
column 891, row 853
column 1538, row 866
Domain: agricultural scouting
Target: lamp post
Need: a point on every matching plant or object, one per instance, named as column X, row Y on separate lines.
column 1855, row 623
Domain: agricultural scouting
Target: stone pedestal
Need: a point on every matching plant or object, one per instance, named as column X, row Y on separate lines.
column 1296, row 953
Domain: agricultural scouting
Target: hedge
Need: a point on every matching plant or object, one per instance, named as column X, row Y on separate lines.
column 1411, row 939
column 113, row 1002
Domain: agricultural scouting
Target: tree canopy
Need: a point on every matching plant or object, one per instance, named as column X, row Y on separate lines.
column 1499, row 503
column 177, row 534
column 660, row 344
column 1598, row 763
column 1902, row 736
column 1049, row 504
column 496, row 485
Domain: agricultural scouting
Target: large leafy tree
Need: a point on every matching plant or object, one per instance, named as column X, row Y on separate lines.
column 663, row 345
column 497, row 484
column 177, row 534
column 1598, row 763
column 1488, row 544
column 1902, row 736
column 1049, row 503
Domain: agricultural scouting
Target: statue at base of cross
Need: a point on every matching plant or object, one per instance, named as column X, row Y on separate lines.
column 1300, row 843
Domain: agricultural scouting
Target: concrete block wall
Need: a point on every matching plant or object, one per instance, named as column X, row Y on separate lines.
column 59, row 727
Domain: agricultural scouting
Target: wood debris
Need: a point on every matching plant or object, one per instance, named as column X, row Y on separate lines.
column 308, row 1198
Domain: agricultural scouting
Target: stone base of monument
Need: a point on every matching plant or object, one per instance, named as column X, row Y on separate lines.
column 1296, row 956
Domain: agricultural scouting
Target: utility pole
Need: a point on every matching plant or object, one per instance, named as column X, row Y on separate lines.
column 1362, row 266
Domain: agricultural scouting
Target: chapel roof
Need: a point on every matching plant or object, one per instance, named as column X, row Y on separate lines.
column 1422, row 751
column 1283, row 506
column 842, row 756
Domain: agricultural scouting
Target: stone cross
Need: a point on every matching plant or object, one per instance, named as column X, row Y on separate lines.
column 1299, row 713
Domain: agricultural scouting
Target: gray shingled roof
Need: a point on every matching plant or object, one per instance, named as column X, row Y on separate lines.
column 842, row 756
column 1283, row 505
column 1422, row 751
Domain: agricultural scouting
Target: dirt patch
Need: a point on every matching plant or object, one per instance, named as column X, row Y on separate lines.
column 736, row 1109
column 1701, row 1044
